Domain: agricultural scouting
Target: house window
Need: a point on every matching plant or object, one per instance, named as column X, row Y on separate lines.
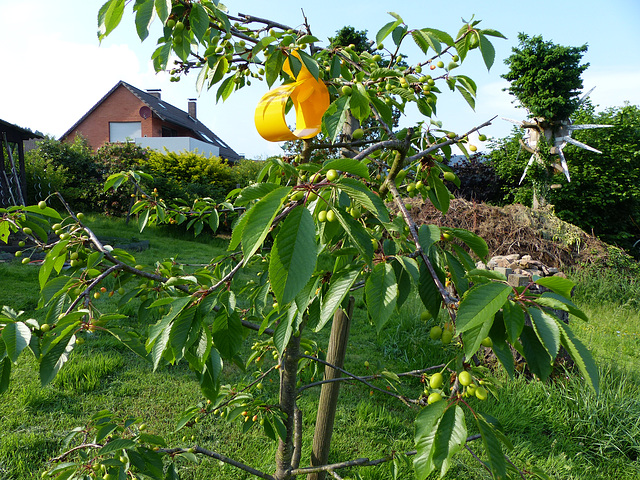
column 124, row 131
column 169, row 132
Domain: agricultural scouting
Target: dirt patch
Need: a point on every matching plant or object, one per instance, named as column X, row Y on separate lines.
column 517, row 229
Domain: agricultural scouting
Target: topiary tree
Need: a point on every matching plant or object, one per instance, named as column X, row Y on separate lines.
column 545, row 79
column 309, row 235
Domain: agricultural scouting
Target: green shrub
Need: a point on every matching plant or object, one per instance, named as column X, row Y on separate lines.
column 75, row 161
column 189, row 175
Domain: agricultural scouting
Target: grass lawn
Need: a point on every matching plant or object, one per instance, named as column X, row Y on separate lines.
column 560, row 426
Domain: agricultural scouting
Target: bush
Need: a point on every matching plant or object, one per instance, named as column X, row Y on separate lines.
column 478, row 180
column 603, row 196
column 83, row 175
column 44, row 177
column 189, row 175
column 114, row 158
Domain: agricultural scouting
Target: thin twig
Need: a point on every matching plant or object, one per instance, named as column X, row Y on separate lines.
column 402, row 398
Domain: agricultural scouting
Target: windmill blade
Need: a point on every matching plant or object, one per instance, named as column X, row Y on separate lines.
column 585, row 96
column 565, row 167
column 527, row 168
column 581, row 145
column 587, row 126
column 515, row 122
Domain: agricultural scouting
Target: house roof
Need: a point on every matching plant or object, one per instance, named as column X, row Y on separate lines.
column 168, row 113
column 16, row 133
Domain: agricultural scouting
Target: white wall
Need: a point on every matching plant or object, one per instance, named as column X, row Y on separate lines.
column 178, row 145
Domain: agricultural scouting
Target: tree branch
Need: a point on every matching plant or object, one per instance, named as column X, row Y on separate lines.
column 402, row 398
column 220, row 457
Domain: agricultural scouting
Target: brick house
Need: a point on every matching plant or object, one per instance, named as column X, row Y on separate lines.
column 127, row 113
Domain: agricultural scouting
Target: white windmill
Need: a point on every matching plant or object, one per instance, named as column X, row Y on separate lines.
column 557, row 135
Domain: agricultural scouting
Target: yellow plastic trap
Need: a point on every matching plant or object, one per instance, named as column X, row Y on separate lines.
column 310, row 99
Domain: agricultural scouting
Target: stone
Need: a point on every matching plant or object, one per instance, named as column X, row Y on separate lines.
column 513, row 257
column 517, row 280
column 481, row 266
column 503, row 270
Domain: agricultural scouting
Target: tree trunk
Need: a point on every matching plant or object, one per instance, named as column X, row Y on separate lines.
column 329, row 394
column 288, row 378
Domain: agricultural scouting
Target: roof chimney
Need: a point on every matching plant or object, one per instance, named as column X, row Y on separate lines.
column 192, row 108
column 155, row 92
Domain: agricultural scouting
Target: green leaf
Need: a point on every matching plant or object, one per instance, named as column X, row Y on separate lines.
column 254, row 192
column 426, row 423
column 163, row 9
column 493, row 448
column 259, row 220
column 492, row 33
column 473, row 241
column 56, row 357
column 339, row 287
column 467, row 96
column 480, row 304
column 273, row 66
column 425, row 38
column 5, row 374
column 553, row 300
column 420, row 40
column 49, row 262
column 348, row 165
column 381, row 289
column 472, row 338
column 227, row 333
column 4, row 231
column 357, row 234
column 294, row 255
column 335, row 117
column 180, row 329
column 580, row 356
column 198, row 20
column 359, row 102
column 457, row 273
column 386, row 30
column 513, row 316
column 210, row 376
column 310, row 63
column 428, row 291
column 487, row 50
column 500, row 346
column 16, row 337
column 109, row 17
column 116, row 445
column 547, row 330
column 441, row 192
column 283, row 331
column 559, row 285
column 144, row 16
column 383, row 109
column 449, row 439
column 428, row 235
column 226, row 88
column 361, row 195
column 444, row 37
column 538, row 359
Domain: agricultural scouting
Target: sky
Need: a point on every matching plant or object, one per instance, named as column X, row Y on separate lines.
column 55, row 70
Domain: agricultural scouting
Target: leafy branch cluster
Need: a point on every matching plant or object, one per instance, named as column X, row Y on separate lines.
column 309, row 234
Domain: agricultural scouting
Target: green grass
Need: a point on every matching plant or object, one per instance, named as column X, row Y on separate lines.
column 560, row 426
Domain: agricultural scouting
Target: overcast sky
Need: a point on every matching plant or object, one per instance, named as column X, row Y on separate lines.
column 55, row 70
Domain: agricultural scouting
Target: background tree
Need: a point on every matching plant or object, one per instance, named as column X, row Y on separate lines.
column 545, row 77
column 309, row 235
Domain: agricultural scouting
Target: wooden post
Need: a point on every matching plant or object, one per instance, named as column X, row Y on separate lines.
column 330, row 391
